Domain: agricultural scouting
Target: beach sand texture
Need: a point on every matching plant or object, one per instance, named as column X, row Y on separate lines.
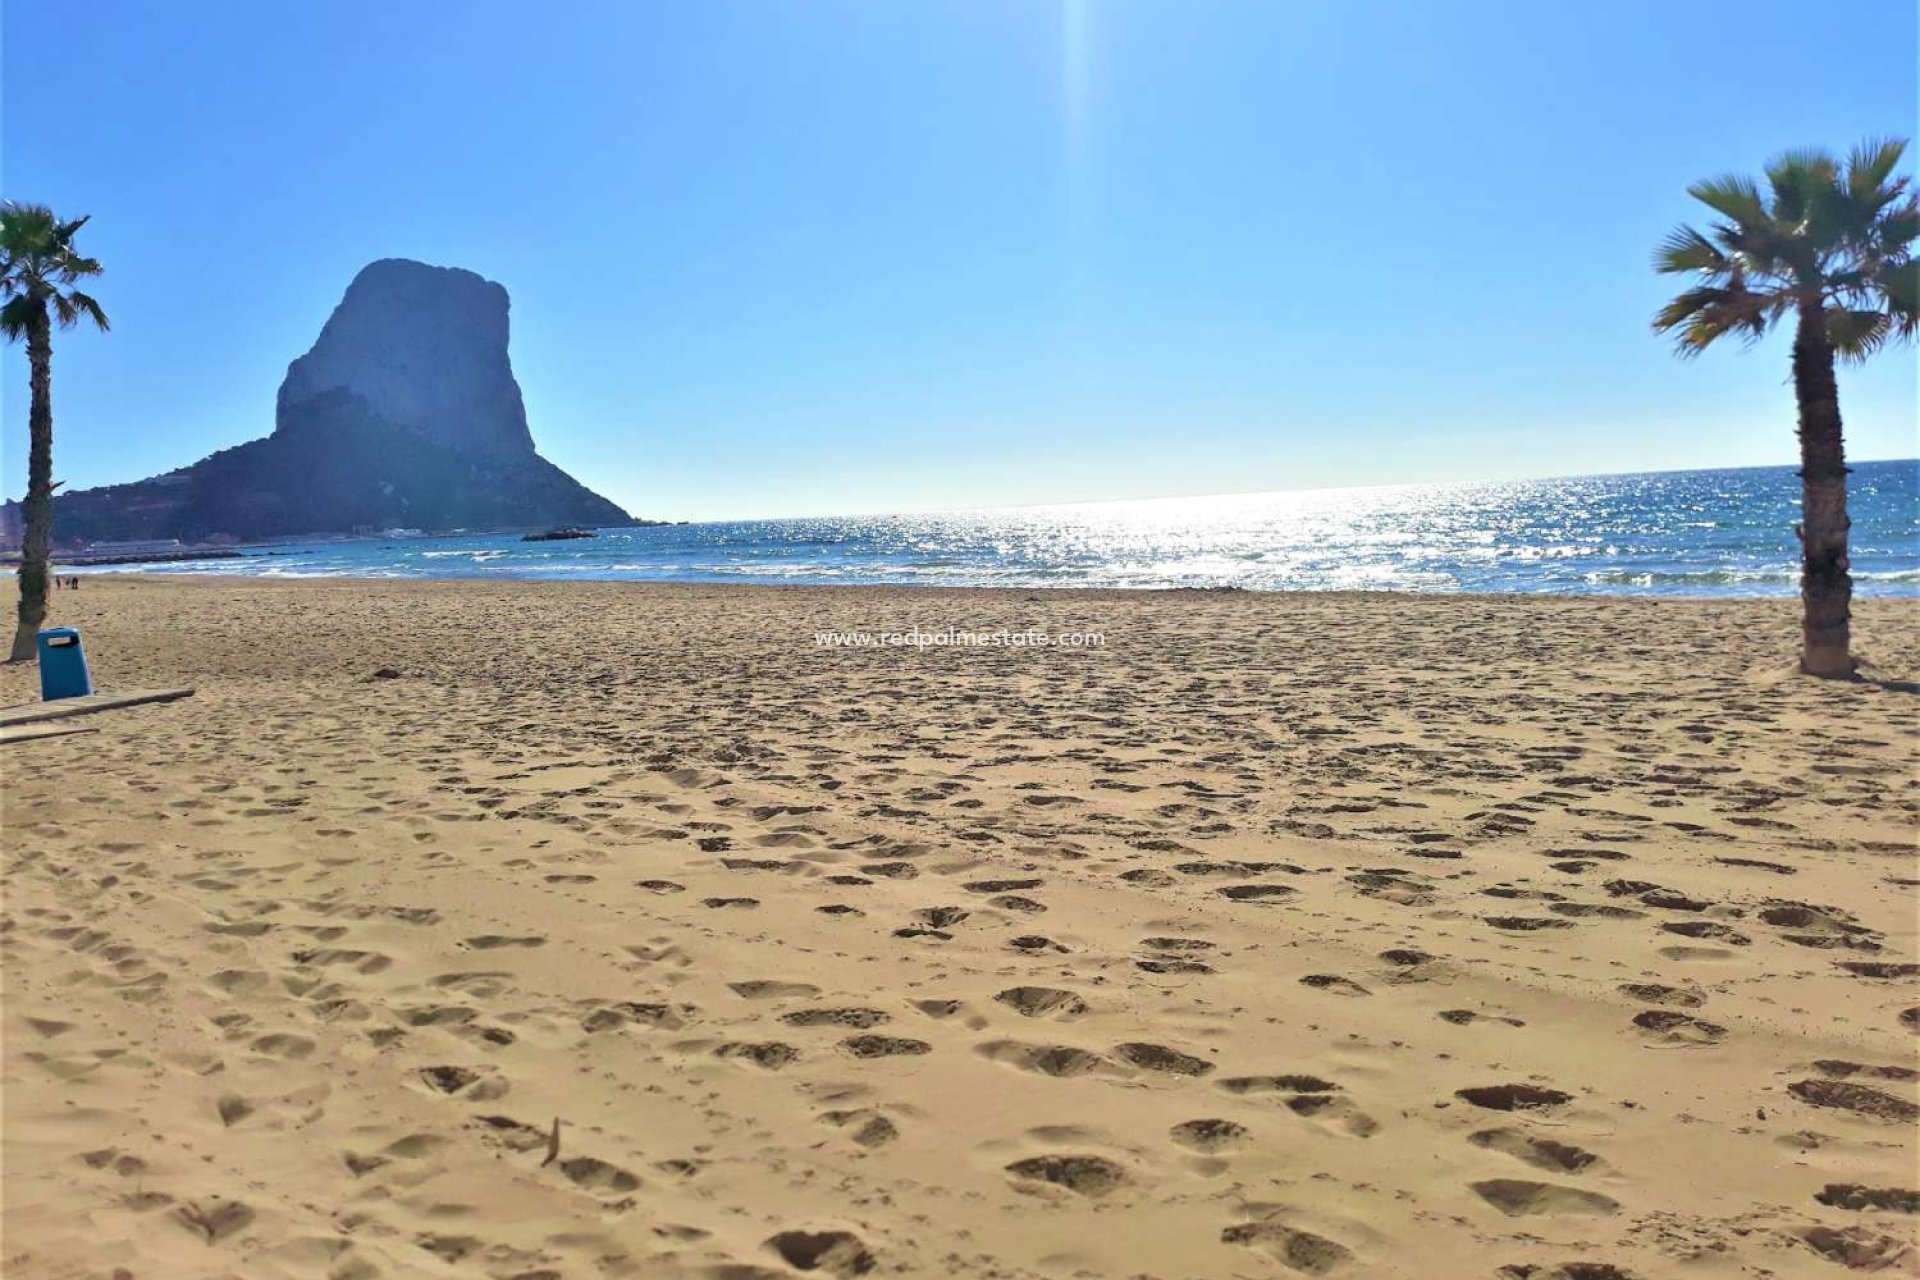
column 1355, row 936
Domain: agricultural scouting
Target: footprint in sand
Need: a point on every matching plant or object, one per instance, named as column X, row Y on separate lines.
column 449, row 1079
column 1860, row 1199
column 1659, row 993
column 1465, row 1017
column 1158, row 1057
column 878, row 1046
column 1172, row 965
column 1210, row 1136
column 770, row 1055
column 1407, row 966
column 629, row 1013
column 491, row 941
column 1517, row 1198
column 859, row 1019
column 1257, row 892
column 1298, row 1250
column 1880, row 969
column 1707, row 929
column 1526, row 924
column 368, row 962
column 1860, row 1099
column 1174, row 956
column 1090, row 1176
column 597, row 1175
column 1310, row 1097
column 1541, row 1153
column 214, row 1220
column 1858, row 1248
column 1514, row 1097
column 480, row 985
column 1001, row 886
column 1058, row 1060
column 283, row 1045
column 759, row 864
column 772, row 989
column 1671, row 1027
column 838, row 1253
column 1277, row 1084
column 866, row 1127
column 892, row 870
column 515, row 1135
column 1042, row 1002
column 938, row 1008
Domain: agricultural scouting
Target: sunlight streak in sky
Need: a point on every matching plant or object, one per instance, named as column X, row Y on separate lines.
column 1079, row 371
column 1075, row 75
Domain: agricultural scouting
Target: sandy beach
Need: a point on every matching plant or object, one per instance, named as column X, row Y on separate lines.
column 1281, row 935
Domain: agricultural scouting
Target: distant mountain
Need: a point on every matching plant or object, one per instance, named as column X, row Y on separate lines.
column 404, row 414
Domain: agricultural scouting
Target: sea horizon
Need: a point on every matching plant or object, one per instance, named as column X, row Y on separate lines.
column 1724, row 531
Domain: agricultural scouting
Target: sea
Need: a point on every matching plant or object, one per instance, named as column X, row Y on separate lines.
column 1690, row 533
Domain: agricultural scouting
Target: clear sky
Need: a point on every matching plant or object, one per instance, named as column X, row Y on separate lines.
column 775, row 257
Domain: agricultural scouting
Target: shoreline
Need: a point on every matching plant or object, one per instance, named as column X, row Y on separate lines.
column 1705, row 534
column 508, row 582
column 1428, row 935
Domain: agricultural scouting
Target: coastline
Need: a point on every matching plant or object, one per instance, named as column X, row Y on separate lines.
column 1616, row 535
column 770, row 927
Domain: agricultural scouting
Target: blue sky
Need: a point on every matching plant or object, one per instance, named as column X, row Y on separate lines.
column 780, row 257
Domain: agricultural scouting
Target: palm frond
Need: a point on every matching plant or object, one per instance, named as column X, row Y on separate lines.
column 1763, row 251
column 1700, row 317
column 17, row 316
column 1801, row 180
column 1840, row 232
column 39, row 264
column 1870, row 164
column 88, row 307
column 1900, row 286
column 1855, row 335
column 1685, row 249
column 1734, row 197
column 1897, row 229
column 25, row 223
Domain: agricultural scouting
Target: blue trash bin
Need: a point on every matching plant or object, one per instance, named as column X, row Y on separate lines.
column 63, row 665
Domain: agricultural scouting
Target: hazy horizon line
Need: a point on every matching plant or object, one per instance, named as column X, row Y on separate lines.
column 1255, row 493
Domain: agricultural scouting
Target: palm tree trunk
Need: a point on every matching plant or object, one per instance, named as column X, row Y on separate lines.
column 37, row 539
column 1826, row 586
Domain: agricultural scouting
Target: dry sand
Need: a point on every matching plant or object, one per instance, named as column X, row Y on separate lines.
column 1286, row 935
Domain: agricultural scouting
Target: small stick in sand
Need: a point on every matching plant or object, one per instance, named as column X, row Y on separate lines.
column 553, row 1144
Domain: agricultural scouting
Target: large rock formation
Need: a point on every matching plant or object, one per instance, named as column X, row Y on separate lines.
column 425, row 348
column 405, row 413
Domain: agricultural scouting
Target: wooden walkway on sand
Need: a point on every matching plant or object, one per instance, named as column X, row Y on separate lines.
column 29, row 720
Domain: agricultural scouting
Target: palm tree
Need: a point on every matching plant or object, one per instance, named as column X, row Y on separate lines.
column 38, row 267
column 1830, row 244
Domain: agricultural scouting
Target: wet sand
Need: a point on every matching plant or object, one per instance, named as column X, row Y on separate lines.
column 1358, row 936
